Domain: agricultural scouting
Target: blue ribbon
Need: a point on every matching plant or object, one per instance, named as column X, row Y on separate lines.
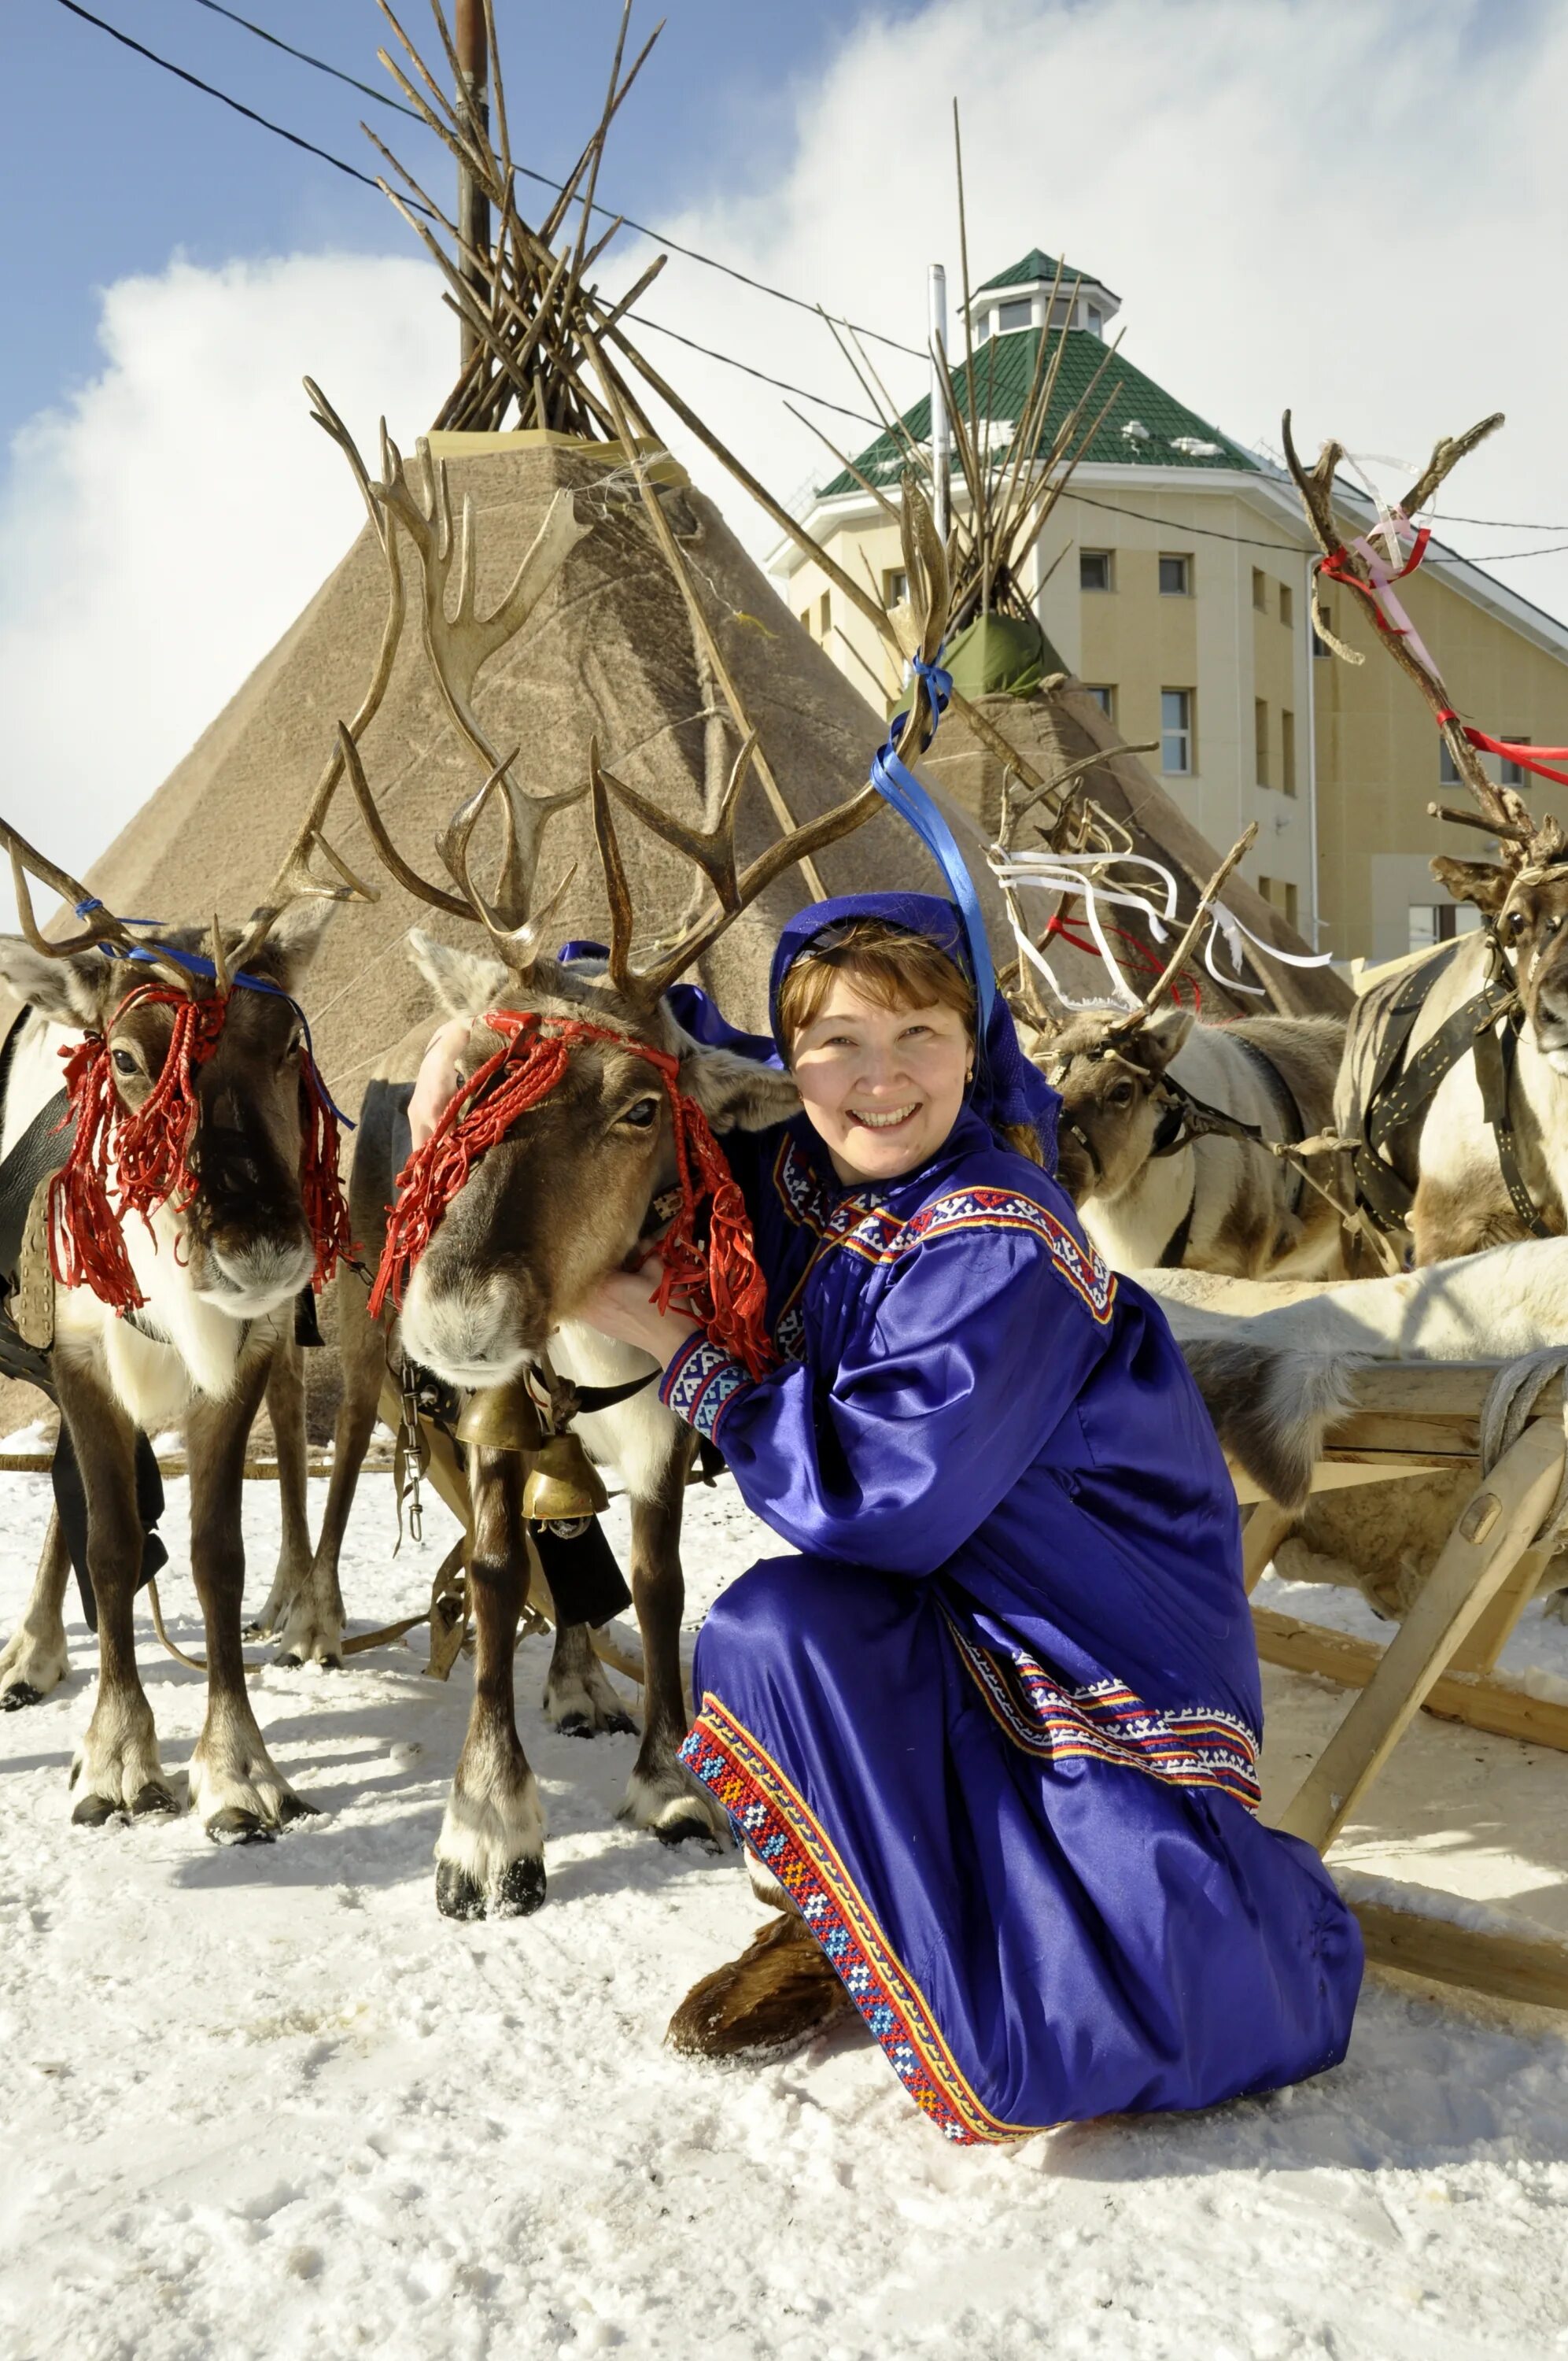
column 899, row 786
column 198, row 963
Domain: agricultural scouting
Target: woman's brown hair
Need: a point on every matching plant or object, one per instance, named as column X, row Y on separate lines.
column 892, row 968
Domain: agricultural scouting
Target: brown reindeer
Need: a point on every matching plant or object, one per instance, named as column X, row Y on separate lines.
column 182, row 1311
column 1164, row 1121
column 1454, row 1084
column 569, row 1191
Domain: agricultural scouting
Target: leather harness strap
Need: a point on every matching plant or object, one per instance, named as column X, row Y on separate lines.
column 1385, row 1161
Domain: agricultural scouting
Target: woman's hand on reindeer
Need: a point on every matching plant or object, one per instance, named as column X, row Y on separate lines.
column 621, row 1305
column 439, row 1076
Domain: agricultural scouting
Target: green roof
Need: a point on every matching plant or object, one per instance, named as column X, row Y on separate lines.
column 1033, row 266
column 1173, row 436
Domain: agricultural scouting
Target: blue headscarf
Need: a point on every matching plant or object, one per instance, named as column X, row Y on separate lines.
column 1006, row 1088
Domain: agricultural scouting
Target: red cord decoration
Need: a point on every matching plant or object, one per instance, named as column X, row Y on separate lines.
column 1063, row 927
column 148, row 1151
column 722, row 1280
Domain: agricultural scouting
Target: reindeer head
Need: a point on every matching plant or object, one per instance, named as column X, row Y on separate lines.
column 562, row 1193
column 1115, row 1111
column 218, row 1061
column 1526, row 907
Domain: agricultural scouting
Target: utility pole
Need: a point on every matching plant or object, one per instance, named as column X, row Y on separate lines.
column 942, row 443
column 473, row 205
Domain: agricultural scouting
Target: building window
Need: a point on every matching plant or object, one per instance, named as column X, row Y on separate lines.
column 1104, row 697
column 1259, row 590
column 1175, row 577
column 894, row 588
column 1175, row 730
column 1441, row 922
column 1280, row 894
column 1010, row 316
column 1319, row 645
column 825, row 613
column 1447, row 768
column 1096, row 320
column 1514, row 773
column 1095, row 570
column 1287, row 606
column 1287, row 753
column 1260, row 741
column 805, row 618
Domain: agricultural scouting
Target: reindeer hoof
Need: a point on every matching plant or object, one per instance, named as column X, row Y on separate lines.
column 521, row 1891
column 153, row 1798
column 688, row 1828
column 457, row 1895
column 234, row 1827
column 93, row 1811
column 292, row 1808
column 19, row 1694
column 330, row 1664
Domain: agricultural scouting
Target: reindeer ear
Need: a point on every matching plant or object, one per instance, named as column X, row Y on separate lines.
column 736, row 1094
column 465, row 983
column 67, row 991
column 1484, row 882
column 1156, row 1042
column 295, row 936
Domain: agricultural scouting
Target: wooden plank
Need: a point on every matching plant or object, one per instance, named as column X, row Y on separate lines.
column 1480, row 1701
column 1495, row 1626
column 1261, row 1536
column 1511, row 1967
column 1435, row 1435
column 1334, row 1475
column 1436, row 1389
column 1499, row 1521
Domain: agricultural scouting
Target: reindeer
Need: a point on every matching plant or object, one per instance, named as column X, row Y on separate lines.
column 550, row 1201
column 1453, row 1092
column 196, row 1102
column 1166, row 1121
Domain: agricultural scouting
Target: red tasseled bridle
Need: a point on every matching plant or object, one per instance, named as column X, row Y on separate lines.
column 149, row 1151
column 723, row 1283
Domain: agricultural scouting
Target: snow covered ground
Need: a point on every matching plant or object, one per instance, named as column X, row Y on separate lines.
column 267, row 2103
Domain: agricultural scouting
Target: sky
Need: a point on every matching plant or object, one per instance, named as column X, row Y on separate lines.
column 1350, row 206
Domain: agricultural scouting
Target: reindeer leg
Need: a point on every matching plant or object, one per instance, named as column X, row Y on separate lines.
column 286, row 1412
column 116, row 1767
column 661, row 1794
column 314, row 1633
column 490, row 1854
column 35, row 1658
column 234, row 1784
column 578, row 1698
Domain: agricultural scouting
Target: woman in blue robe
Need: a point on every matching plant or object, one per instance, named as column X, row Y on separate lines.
column 994, row 1729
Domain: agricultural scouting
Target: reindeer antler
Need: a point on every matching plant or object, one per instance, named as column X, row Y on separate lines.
column 1502, row 812
column 459, row 644
column 102, row 929
column 712, row 850
column 1165, row 981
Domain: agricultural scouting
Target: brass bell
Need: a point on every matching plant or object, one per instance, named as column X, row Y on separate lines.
column 563, row 1483
column 502, row 1418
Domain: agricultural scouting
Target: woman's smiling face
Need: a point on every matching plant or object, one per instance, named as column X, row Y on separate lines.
column 883, row 1087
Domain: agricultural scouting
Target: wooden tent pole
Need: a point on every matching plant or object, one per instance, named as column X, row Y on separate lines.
column 473, row 205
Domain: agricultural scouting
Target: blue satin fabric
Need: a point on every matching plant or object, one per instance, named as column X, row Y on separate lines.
column 995, row 1728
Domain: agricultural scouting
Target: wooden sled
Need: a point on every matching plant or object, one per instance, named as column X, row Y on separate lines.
column 1411, row 1417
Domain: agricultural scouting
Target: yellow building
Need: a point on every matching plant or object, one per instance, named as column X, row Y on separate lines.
column 1174, row 580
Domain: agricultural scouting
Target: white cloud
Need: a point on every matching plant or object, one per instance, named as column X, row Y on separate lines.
column 163, row 527
column 1345, row 207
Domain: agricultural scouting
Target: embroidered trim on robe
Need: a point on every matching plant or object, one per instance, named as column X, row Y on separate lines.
column 1107, row 1722
column 879, row 1236
column 701, row 1384
column 774, row 1820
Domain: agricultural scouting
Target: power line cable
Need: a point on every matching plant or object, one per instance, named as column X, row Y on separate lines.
column 209, row 91
column 784, row 385
column 607, row 212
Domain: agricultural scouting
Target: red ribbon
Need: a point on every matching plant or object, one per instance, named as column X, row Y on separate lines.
column 722, row 1279
column 1063, row 927
column 1510, row 751
column 150, row 1150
